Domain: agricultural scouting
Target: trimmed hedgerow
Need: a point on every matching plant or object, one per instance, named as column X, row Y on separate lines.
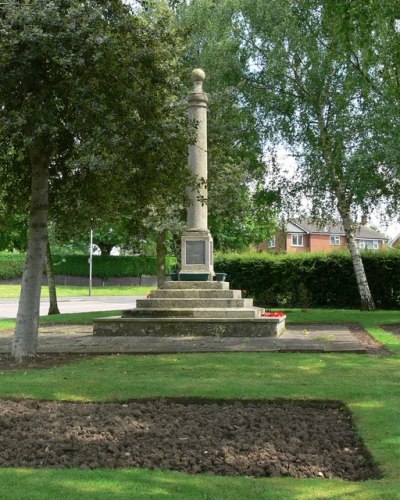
column 109, row 266
column 302, row 280
column 12, row 265
column 313, row 280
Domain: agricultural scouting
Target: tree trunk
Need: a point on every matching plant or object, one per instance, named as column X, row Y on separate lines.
column 105, row 248
column 177, row 247
column 367, row 302
column 336, row 173
column 161, row 255
column 27, row 326
column 53, row 306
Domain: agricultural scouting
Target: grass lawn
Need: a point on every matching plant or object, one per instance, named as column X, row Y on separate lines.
column 12, row 291
column 84, row 318
column 369, row 385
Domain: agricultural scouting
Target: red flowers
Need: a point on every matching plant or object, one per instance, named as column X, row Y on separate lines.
column 273, row 314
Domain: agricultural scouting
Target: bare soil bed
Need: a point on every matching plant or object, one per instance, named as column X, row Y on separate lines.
column 249, row 438
column 395, row 329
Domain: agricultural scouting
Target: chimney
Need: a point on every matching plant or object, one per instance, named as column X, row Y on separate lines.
column 364, row 220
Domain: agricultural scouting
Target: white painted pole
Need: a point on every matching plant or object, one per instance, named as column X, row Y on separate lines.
column 90, row 262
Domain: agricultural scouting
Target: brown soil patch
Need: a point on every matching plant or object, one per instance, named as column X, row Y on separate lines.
column 40, row 361
column 366, row 340
column 232, row 438
column 395, row 329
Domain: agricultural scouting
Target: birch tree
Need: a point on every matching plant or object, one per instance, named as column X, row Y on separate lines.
column 303, row 85
column 311, row 97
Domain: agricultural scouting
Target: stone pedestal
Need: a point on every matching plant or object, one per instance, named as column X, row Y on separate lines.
column 197, row 256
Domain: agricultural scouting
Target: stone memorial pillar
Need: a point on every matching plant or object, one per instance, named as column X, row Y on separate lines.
column 197, row 242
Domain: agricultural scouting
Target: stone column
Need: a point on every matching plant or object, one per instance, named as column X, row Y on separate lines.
column 197, row 242
column 197, row 162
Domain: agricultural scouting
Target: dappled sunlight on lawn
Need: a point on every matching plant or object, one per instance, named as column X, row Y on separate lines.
column 142, row 483
column 64, row 396
column 313, row 368
column 100, row 482
column 370, row 404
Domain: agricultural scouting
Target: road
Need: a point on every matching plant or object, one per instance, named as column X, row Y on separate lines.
column 8, row 307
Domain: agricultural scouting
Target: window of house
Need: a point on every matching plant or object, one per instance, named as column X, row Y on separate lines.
column 368, row 244
column 335, row 239
column 272, row 242
column 297, row 240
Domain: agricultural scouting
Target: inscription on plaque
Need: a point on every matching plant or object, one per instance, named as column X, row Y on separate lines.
column 195, row 252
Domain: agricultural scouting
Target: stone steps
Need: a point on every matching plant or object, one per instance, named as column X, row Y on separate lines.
column 196, row 294
column 211, row 312
column 184, row 303
column 195, row 285
column 187, row 308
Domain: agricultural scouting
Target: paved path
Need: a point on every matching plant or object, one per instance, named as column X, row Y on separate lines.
column 8, row 307
column 79, row 339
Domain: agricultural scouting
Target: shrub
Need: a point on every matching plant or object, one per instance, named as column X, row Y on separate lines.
column 313, row 280
column 11, row 265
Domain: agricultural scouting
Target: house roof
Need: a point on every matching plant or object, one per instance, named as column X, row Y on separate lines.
column 395, row 240
column 305, row 226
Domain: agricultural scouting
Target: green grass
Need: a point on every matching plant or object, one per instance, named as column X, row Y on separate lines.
column 370, row 386
column 12, row 291
column 84, row 318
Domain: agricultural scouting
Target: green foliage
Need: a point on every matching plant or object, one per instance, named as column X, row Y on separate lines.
column 240, row 214
column 11, row 265
column 109, row 266
column 95, row 84
column 313, row 280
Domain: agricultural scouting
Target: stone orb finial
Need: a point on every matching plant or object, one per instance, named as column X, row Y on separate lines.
column 198, row 75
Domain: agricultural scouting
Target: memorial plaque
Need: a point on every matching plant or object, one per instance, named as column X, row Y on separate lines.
column 195, row 252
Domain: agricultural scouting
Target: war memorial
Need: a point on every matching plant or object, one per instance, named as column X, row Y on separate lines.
column 199, row 302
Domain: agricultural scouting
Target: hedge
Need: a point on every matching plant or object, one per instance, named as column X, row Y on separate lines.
column 313, row 280
column 301, row 280
column 11, row 265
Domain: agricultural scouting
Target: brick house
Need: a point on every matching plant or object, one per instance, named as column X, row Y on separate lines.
column 301, row 235
column 395, row 242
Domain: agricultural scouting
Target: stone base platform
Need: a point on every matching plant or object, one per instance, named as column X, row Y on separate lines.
column 296, row 338
column 197, row 308
column 193, row 327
